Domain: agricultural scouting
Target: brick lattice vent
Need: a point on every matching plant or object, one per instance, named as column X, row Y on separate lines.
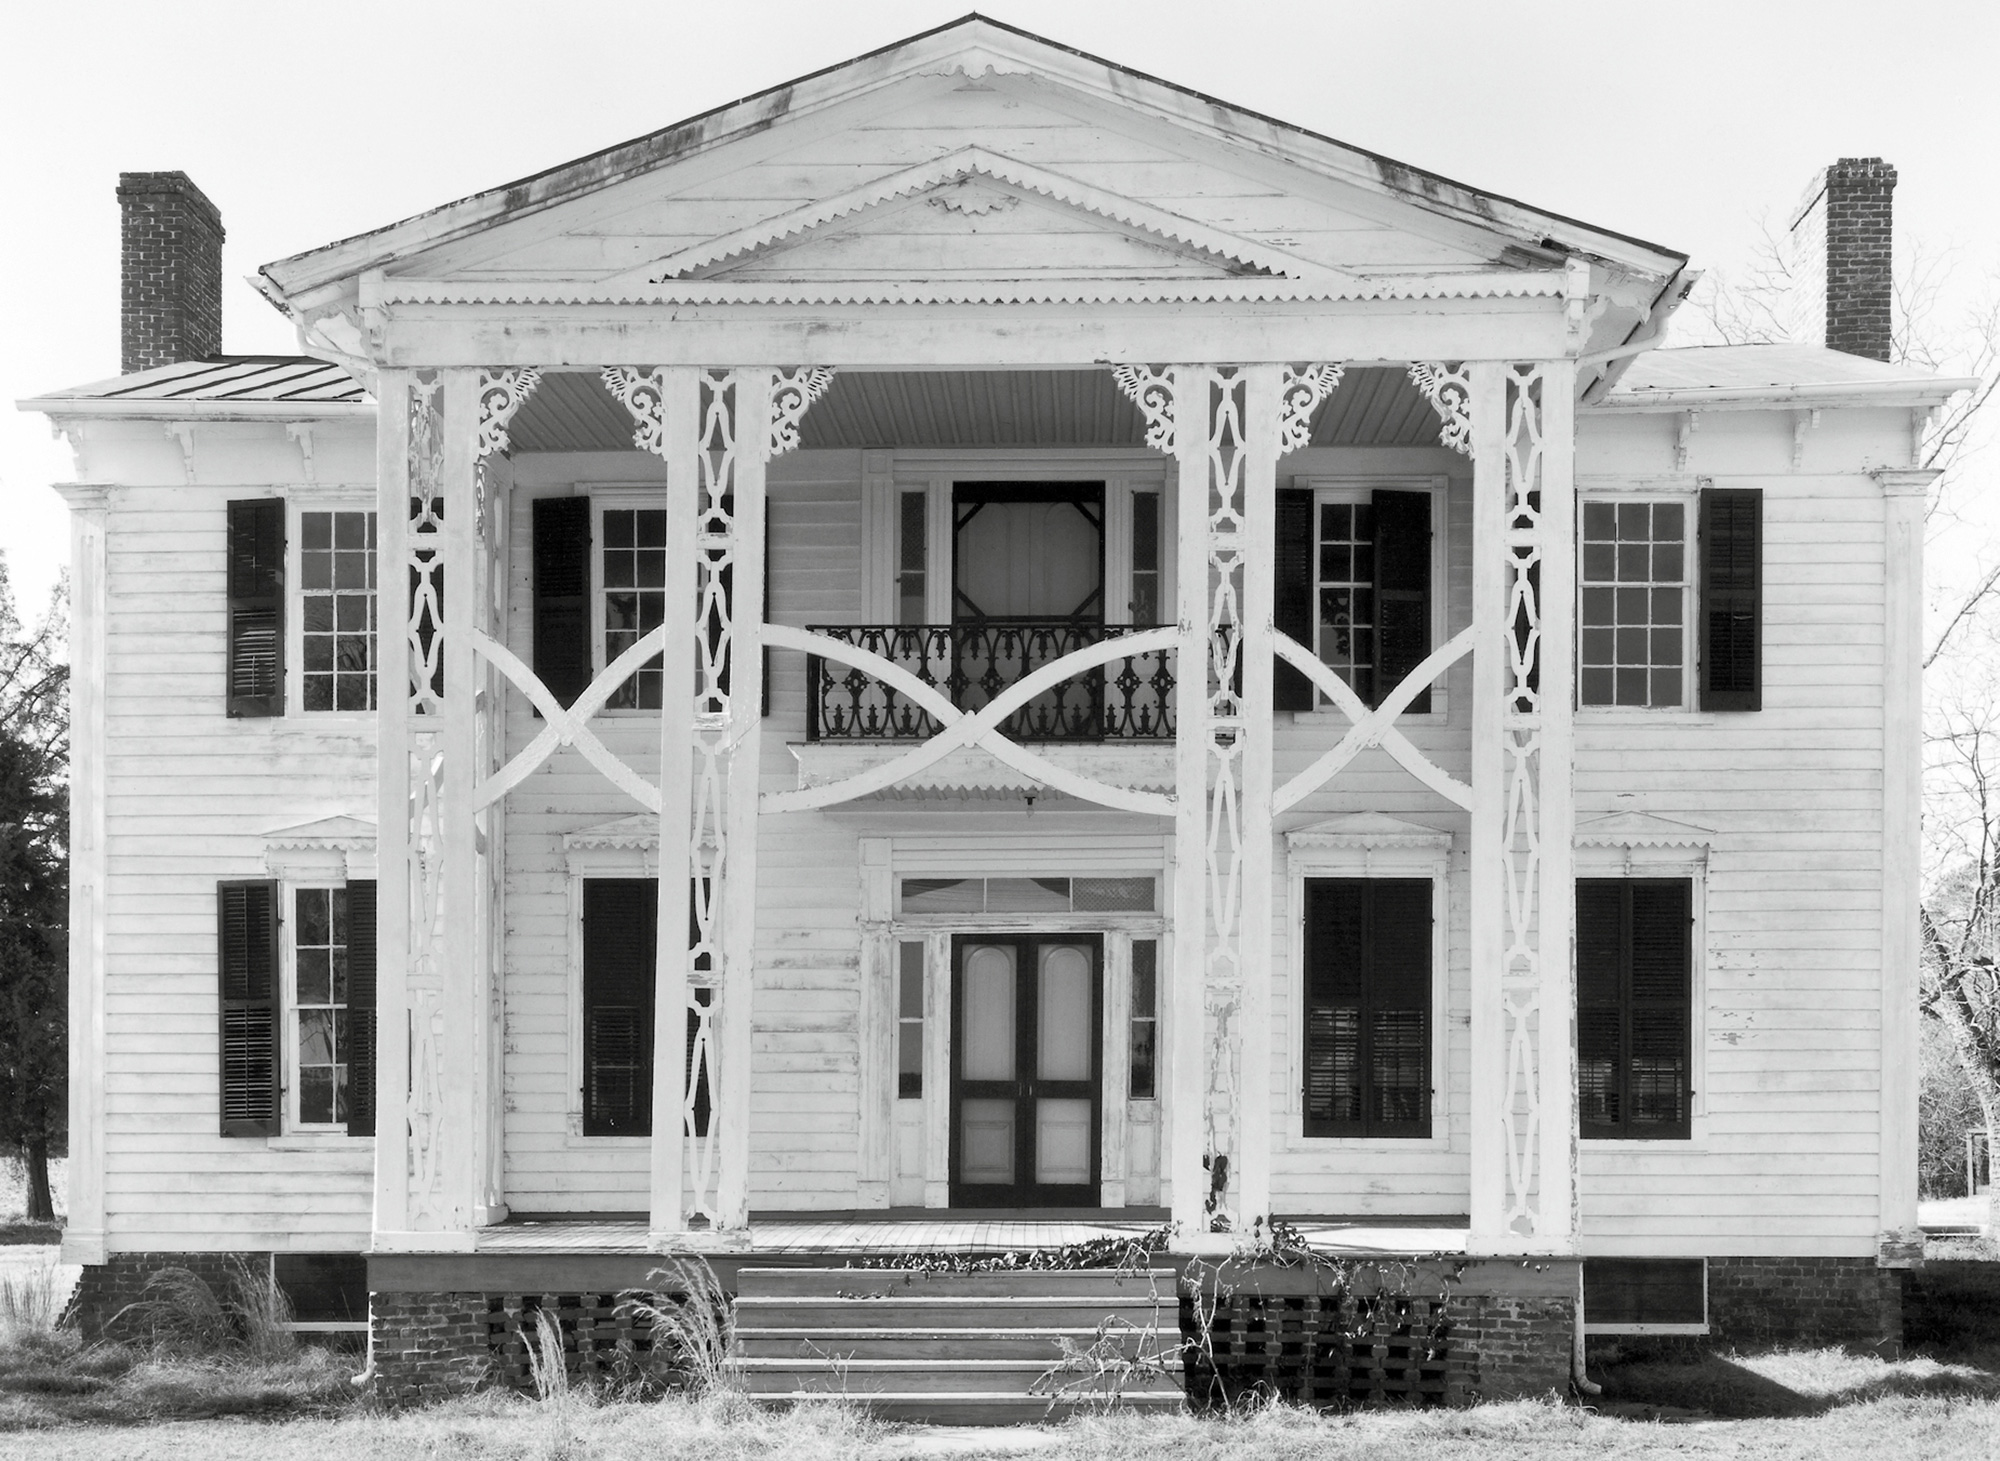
column 605, row 1341
column 1331, row 1351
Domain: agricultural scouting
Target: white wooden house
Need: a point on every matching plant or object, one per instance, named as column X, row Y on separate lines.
column 1193, row 674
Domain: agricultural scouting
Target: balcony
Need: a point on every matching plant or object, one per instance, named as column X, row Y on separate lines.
column 971, row 664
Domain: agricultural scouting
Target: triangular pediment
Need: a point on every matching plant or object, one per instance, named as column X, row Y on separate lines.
column 327, row 832
column 974, row 162
column 974, row 214
column 1366, row 830
column 1639, row 829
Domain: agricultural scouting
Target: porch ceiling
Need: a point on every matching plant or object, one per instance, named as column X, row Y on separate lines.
column 1375, row 406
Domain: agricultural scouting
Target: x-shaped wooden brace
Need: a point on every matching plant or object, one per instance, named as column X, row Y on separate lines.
column 979, row 728
column 1375, row 727
column 567, row 727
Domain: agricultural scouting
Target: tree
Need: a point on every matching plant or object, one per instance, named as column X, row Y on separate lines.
column 34, row 889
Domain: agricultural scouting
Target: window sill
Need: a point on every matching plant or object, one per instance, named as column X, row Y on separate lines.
column 1298, row 1142
column 331, row 719
column 1639, row 1145
column 1625, row 714
column 319, row 1141
column 575, row 1140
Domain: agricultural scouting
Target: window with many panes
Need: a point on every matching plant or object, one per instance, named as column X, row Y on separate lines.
column 1346, row 593
column 319, row 1044
column 1632, row 608
column 633, row 594
column 337, row 610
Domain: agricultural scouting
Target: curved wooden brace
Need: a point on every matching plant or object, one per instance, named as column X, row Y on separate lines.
column 1372, row 727
column 979, row 728
column 567, row 727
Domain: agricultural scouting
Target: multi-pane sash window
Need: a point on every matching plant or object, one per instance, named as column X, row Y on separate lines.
column 337, row 609
column 635, row 595
column 1347, row 593
column 1368, row 1007
column 319, row 1013
column 1632, row 612
column 1634, row 939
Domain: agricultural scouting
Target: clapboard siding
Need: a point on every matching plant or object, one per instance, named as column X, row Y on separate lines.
column 190, row 796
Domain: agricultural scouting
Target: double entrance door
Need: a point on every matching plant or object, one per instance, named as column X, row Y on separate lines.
column 1026, row 1094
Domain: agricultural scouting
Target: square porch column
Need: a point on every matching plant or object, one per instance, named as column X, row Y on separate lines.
column 434, row 989
column 1522, row 893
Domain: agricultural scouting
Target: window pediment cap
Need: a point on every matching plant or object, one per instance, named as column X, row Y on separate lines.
column 328, row 834
column 1367, row 830
column 1640, row 829
column 640, row 832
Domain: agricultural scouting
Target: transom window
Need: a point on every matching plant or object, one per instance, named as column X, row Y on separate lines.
column 337, row 610
column 1028, row 895
column 634, row 595
column 1632, row 613
column 319, row 1018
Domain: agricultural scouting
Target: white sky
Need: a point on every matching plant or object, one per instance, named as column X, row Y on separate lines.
column 305, row 123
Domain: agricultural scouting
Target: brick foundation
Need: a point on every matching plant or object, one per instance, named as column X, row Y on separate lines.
column 1806, row 1301
column 427, row 1346
column 1515, row 1346
column 105, row 1288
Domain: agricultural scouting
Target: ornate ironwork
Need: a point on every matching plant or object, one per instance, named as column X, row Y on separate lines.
column 1129, row 700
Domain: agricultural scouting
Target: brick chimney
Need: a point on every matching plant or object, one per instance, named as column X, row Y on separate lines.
column 1843, row 227
column 171, row 271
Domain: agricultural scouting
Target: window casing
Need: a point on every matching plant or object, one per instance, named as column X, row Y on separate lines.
column 317, row 1048
column 1635, row 602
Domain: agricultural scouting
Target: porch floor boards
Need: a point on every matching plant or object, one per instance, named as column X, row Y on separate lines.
column 808, row 1234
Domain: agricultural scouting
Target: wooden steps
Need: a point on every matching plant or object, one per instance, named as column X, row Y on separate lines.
column 964, row 1348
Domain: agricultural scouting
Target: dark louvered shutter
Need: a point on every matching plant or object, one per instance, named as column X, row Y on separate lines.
column 1732, row 589
column 1634, row 1001
column 361, row 1042
column 1402, row 590
column 562, row 595
column 1656, row 1074
column 1600, row 1015
column 1367, row 1016
column 255, row 673
column 247, row 964
column 620, row 919
column 1399, row 1007
column 1292, row 606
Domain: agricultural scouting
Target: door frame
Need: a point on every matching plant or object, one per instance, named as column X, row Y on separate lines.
column 1024, row 1192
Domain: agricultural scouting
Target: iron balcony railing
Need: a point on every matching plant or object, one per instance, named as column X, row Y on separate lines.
column 1130, row 699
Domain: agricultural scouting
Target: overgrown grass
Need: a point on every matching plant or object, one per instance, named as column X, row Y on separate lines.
column 179, row 1312
column 724, row 1427
column 31, row 1299
column 693, row 1326
column 51, row 1379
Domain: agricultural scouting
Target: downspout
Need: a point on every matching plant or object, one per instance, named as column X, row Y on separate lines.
column 1576, row 1375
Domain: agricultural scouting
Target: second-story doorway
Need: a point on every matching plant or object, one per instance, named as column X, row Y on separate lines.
column 1028, row 552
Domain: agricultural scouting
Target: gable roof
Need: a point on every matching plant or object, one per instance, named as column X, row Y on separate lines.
column 311, row 283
